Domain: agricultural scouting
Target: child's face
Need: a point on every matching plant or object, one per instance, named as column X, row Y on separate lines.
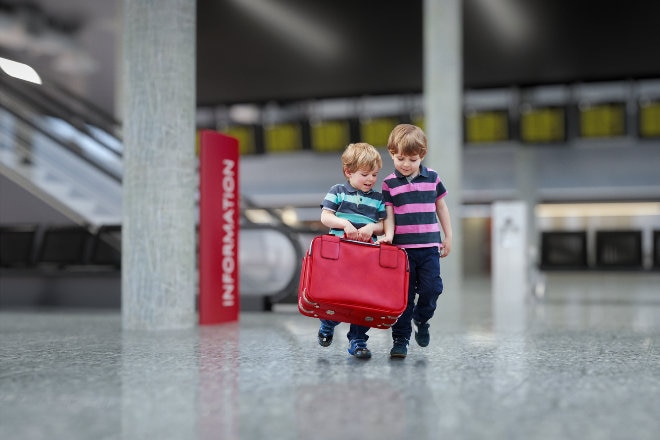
column 406, row 165
column 364, row 180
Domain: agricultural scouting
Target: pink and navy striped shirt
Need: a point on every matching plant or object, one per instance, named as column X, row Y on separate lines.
column 415, row 218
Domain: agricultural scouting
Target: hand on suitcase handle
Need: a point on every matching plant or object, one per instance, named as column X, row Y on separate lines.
column 368, row 243
column 364, row 234
column 384, row 240
column 357, row 236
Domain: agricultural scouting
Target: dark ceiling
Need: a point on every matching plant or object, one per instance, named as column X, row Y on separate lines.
column 261, row 50
column 315, row 49
column 244, row 56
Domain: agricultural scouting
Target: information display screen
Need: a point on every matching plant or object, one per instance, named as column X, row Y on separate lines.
column 330, row 136
column 602, row 120
column 419, row 121
column 245, row 134
column 543, row 125
column 283, row 137
column 376, row 131
column 486, row 126
column 649, row 119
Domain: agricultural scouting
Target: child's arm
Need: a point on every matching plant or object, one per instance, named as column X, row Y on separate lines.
column 388, row 226
column 378, row 228
column 366, row 232
column 329, row 219
column 442, row 211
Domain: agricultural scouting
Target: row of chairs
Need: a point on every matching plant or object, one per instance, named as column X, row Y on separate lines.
column 25, row 246
column 33, row 246
column 612, row 249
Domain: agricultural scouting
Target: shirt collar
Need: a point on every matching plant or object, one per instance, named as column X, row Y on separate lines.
column 350, row 189
column 423, row 171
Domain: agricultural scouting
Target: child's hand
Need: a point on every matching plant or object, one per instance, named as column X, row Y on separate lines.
column 385, row 239
column 365, row 233
column 445, row 248
column 350, row 233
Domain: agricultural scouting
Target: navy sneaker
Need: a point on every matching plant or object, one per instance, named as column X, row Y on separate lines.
column 422, row 335
column 358, row 348
column 400, row 348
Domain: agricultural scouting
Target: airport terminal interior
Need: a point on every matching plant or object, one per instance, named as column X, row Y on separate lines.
column 549, row 329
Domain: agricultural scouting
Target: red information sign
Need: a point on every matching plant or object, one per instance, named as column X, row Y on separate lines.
column 219, row 299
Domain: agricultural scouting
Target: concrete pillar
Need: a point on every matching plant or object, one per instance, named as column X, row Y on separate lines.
column 526, row 171
column 509, row 264
column 158, row 236
column 443, row 93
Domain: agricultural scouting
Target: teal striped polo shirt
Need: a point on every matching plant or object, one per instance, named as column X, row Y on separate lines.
column 357, row 207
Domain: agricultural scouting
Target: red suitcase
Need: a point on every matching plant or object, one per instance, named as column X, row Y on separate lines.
column 350, row 281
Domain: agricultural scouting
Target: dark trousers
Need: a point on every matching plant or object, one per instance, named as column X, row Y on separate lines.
column 425, row 284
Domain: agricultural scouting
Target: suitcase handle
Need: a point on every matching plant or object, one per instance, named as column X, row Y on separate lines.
column 368, row 243
column 388, row 253
column 335, row 238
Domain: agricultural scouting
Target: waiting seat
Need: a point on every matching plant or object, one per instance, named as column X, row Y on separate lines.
column 64, row 246
column 17, row 245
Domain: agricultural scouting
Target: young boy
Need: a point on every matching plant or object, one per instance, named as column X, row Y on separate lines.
column 355, row 211
column 414, row 199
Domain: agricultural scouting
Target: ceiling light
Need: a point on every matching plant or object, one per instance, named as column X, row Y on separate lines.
column 19, row 70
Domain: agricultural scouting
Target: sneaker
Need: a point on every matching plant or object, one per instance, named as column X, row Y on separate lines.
column 358, row 348
column 325, row 339
column 400, row 348
column 422, row 335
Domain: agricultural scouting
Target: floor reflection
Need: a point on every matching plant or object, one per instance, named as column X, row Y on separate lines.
column 580, row 362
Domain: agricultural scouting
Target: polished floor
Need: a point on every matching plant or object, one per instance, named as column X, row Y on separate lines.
column 580, row 362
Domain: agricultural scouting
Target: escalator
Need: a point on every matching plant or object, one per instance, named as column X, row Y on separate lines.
column 58, row 156
column 68, row 155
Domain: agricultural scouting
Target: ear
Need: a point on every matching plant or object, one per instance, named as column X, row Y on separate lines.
column 347, row 174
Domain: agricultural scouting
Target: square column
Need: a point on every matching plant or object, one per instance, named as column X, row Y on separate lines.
column 158, row 235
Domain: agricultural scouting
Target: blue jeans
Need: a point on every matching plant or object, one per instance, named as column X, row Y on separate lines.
column 426, row 284
column 355, row 332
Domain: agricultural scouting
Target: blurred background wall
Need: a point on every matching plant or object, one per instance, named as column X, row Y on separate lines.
column 569, row 91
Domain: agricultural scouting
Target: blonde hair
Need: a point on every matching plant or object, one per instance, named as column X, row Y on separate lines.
column 408, row 140
column 360, row 156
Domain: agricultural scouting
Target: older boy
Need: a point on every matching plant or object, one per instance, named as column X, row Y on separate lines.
column 414, row 199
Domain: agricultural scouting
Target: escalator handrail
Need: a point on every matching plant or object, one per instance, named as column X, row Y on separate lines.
column 61, row 144
column 47, row 105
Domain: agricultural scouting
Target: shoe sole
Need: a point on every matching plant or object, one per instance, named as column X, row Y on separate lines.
column 398, row 355
column 360, row 355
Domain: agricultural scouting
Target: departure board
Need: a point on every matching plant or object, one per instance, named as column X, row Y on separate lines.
column 328, row 136
column 543, row 124
column 486, row 126
column 377, row 131
column 602, row 120
column 649, row 119
column 245, row 135
column 283, row 137
column 419, row 121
